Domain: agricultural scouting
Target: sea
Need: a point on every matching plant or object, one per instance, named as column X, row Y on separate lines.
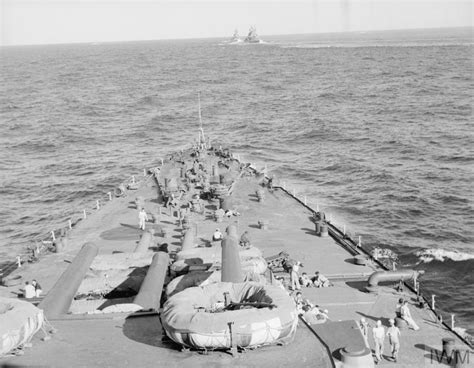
column 373, row 128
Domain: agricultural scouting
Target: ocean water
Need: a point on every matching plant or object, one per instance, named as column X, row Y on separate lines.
column 375, row 128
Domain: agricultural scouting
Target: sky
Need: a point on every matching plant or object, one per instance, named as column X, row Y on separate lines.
column 26, row 22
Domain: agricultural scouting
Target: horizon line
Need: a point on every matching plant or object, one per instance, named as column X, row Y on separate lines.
column 227, row 37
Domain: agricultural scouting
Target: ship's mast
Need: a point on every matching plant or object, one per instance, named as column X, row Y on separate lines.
column 202, row 139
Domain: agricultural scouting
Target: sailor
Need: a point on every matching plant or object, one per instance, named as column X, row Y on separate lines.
column 299, row 302
column 393, row 334
column 319, row 280
column 305, row 280
column 294, row 277
column 217, row 235
column 378, row 333
column 142, row 217
column 29, row 290
column 245, row 240
column 364, row 329
column 406, row 315
column 38, row 289
column 398, row 308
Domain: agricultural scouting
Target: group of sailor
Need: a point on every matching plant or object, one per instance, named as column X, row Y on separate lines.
column 393, row 332
column 32, row 290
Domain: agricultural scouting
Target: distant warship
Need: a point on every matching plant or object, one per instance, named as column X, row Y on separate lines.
column 236, row 38
column 252, row 36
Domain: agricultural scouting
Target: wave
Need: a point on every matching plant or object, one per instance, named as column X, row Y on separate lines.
column 441, row 255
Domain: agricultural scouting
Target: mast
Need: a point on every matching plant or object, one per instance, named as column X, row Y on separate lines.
column 202, row 139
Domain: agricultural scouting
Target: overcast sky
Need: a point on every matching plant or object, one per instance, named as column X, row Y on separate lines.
column 47, row 21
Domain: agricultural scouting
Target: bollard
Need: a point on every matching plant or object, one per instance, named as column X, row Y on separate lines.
column 394, row 266
column 324, row 230
column 344, row 230
column 85, row 215
column 284, row 185
column 110, row 195
column 52, row 234
column 97, row 204
column 70, row 224
column 359, row 244
column 149, row 296
column 58, row 300
column 317, row 207
column 161, row 162
column 18, row 261
column 144, row 172
column 305, row 202
column 448, row 345
column 433, row 302
column 294, row 193
column 452, row 321
column 133, row 179
column 317, row 227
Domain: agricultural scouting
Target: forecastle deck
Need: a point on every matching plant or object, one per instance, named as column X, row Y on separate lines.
column 125, row 339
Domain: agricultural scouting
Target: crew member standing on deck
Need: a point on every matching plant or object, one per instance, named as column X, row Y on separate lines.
column 364, row 329
column 406, row 315
column 379, row 335
column 393, row 334
column 294, row 277
column 142, row 217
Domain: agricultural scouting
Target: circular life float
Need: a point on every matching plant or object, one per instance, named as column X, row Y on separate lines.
column 19, row 321
column 192, row 317
column 203, row 278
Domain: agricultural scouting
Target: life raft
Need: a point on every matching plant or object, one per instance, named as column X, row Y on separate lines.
column 19, row 321
column 203, row 278
column 204, row 258
column 194, row 317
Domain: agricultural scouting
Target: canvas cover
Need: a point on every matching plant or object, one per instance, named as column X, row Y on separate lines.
column 19, row 321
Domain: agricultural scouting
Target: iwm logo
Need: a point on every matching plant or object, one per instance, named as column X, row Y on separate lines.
column 455, row 358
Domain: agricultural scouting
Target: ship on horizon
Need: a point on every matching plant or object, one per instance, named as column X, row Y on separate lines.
column 251, row 37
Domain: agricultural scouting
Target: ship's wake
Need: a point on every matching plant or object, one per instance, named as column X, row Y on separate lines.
column 441, row 255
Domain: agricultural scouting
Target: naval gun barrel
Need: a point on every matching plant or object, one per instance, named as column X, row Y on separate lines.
column 231, row 267
column 149, row 296
column 59, row 298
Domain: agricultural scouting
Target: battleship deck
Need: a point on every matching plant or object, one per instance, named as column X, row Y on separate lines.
column 118, row 339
